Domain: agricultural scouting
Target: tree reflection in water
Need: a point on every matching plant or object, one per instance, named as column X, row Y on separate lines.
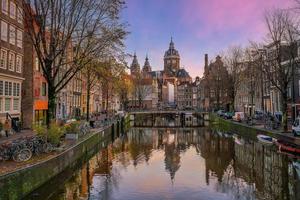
column 198, row 163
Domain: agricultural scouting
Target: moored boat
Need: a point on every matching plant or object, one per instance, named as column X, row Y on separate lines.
column 266, row 140
column 288, row 147
column 297, row 167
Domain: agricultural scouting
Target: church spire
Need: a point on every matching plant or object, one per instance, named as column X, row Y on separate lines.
column 135, row 66
column 171, row 44
column 146, row 67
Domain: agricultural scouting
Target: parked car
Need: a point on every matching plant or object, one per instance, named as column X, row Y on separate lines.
column 220, row 113
column 278, row 116
column 296, row 127
column 228, row 115
column 239, row 116
column 258, row 115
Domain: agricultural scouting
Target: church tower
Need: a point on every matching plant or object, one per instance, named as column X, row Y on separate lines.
column 146, row 67
column 135, row 66
column 171, row 60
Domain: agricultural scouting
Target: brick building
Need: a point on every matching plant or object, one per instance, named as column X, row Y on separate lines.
column 11, row 58
column 216, row 85
column 35, row 98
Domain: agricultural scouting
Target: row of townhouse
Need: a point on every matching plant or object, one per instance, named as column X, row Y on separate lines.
column 23, row 88
column 257, row 93
column 11, row 58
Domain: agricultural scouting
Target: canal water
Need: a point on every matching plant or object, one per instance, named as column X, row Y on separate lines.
column 178, row 163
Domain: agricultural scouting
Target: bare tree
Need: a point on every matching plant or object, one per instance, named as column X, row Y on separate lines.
column 141, row 89
column 252, row 76
column 217, row 82
column 68, row 34
column 280, row 55
column 234, row 64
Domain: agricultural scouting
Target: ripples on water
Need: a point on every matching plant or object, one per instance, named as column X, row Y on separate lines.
column 179, row 164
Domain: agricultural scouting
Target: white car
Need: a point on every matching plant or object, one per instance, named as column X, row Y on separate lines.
column 296, row 127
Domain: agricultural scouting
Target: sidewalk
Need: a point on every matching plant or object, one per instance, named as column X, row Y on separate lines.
column 15, row 136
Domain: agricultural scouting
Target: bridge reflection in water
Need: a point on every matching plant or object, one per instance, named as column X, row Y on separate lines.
column 175, row 119
column 180, row 163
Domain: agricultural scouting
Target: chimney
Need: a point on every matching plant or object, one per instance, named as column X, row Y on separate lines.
column 206, row 60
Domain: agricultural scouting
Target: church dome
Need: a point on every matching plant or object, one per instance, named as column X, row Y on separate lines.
column 171, row 51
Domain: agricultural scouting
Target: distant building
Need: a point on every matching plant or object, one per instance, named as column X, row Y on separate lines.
column 163, row 83
column 215, row 85
column 187, row 94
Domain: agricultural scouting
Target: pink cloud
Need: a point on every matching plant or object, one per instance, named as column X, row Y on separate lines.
column 227, row 15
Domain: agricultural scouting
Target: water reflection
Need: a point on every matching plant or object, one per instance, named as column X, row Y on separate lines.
column 181, row 164
column 168, row 120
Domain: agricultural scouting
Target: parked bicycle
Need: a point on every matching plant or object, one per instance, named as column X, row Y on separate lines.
column 22, row 149
column 15, row 150
column 84, row 128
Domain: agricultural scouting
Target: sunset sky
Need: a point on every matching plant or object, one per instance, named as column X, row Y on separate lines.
column 197, row 27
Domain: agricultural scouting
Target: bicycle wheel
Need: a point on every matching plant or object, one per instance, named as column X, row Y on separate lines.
column 39, row 149
column 30, row 145
column 22, row 155
column 47, row 147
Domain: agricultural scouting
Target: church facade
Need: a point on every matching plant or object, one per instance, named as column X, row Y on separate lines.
column 158, row 89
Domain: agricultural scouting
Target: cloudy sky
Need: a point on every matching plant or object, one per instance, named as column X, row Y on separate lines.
column 197, row 27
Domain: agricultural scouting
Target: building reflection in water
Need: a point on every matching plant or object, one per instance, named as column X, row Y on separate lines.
column 248, row 171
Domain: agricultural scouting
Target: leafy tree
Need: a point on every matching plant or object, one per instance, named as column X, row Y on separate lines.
column 67, row 35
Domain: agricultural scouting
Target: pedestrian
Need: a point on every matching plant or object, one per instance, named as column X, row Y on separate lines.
column 6, row 127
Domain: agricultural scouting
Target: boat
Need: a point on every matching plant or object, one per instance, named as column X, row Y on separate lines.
column 297, row 168
column 266, row 140
column 288, row 147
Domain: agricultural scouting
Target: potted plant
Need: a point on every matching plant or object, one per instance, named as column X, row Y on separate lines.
column 72, row 130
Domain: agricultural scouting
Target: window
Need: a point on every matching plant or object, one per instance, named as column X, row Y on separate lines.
column 37, row 64
column 12, row 10
column 7, row 104
column 4, row 30
column 289, row 90
column 18, row 63
column 16, row 104
column 18, row 90
column 1, row 105
column 6, row 88
column 12, row 35
column 11, row 62
column 19, row 38
column 14, row 89
column 44, row 89
column 3, row 58
column 20, row 15
column 5, row 6
column 10, row 88
column 1, row 87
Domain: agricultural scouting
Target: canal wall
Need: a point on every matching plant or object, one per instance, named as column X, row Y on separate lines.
column 20, row 183
column 238, row 128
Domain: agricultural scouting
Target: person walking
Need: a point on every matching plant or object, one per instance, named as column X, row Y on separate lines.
column 6, row 127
